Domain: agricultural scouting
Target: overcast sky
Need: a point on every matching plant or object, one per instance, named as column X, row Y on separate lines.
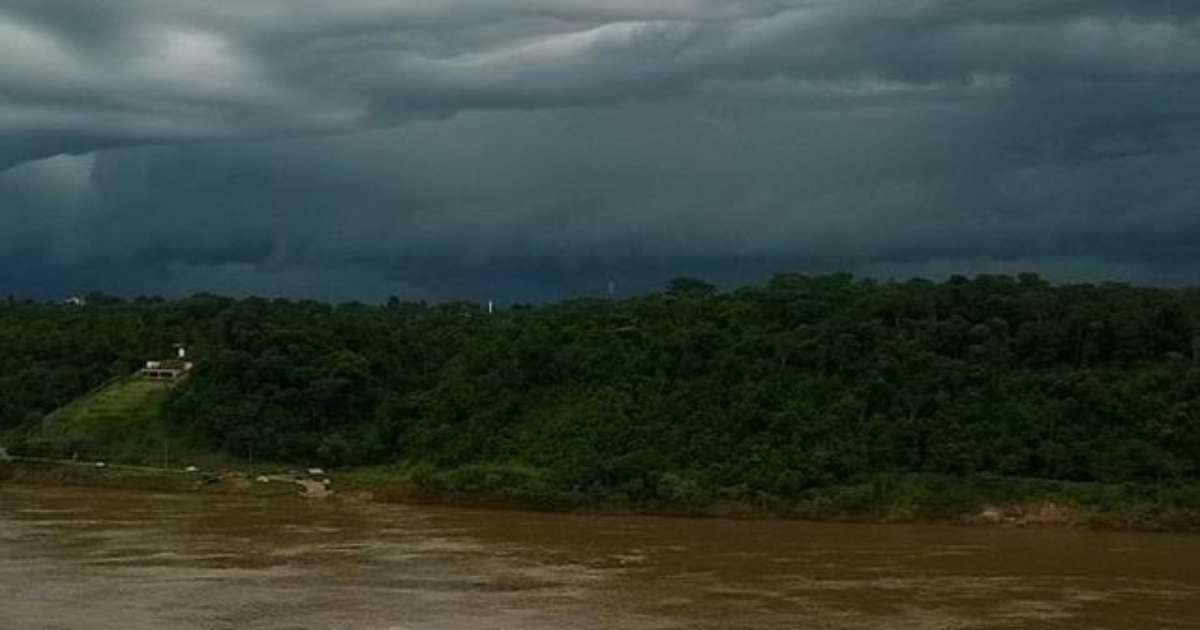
column 528, row 149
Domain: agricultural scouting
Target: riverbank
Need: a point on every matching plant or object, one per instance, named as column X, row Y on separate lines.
column 137, row 478
column 975, row 501
column 971, row 501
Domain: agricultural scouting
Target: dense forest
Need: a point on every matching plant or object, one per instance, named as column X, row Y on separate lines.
column 801, row 383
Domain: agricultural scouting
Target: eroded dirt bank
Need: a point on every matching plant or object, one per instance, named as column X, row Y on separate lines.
column 351, row 488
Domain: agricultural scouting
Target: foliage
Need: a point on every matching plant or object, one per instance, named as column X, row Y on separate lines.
column 686, row 396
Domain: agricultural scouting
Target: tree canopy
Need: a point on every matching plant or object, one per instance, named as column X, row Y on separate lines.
column 803, row 382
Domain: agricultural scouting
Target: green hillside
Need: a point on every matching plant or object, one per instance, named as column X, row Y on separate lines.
column 119, row 421
column 826, row 391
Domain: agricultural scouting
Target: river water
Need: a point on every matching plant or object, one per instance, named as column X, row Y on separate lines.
column 91, row 559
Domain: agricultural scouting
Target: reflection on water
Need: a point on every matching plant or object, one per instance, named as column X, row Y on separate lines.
column 81, row 558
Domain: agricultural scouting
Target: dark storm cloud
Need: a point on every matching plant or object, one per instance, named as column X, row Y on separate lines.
column 532, row 146
column 92, row 73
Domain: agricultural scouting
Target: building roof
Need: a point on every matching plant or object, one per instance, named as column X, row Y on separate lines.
column 173, row 364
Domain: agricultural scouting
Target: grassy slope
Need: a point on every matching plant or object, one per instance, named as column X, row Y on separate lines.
column 119, row 422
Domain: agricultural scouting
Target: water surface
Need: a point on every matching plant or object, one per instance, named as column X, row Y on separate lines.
column 82, row 558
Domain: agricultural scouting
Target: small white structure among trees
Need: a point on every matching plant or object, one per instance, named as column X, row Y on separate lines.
column 167, row 369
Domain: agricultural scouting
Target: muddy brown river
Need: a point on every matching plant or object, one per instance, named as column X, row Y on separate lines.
column 83, row 558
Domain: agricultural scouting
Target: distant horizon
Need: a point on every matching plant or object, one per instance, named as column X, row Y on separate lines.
column 599, row 294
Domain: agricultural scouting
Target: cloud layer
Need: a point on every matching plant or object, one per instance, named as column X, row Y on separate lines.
column 362, row 146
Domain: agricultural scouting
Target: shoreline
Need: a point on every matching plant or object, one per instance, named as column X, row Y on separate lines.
column 361, row 486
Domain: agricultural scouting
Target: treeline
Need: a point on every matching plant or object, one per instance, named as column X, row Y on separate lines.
column 805, row 382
